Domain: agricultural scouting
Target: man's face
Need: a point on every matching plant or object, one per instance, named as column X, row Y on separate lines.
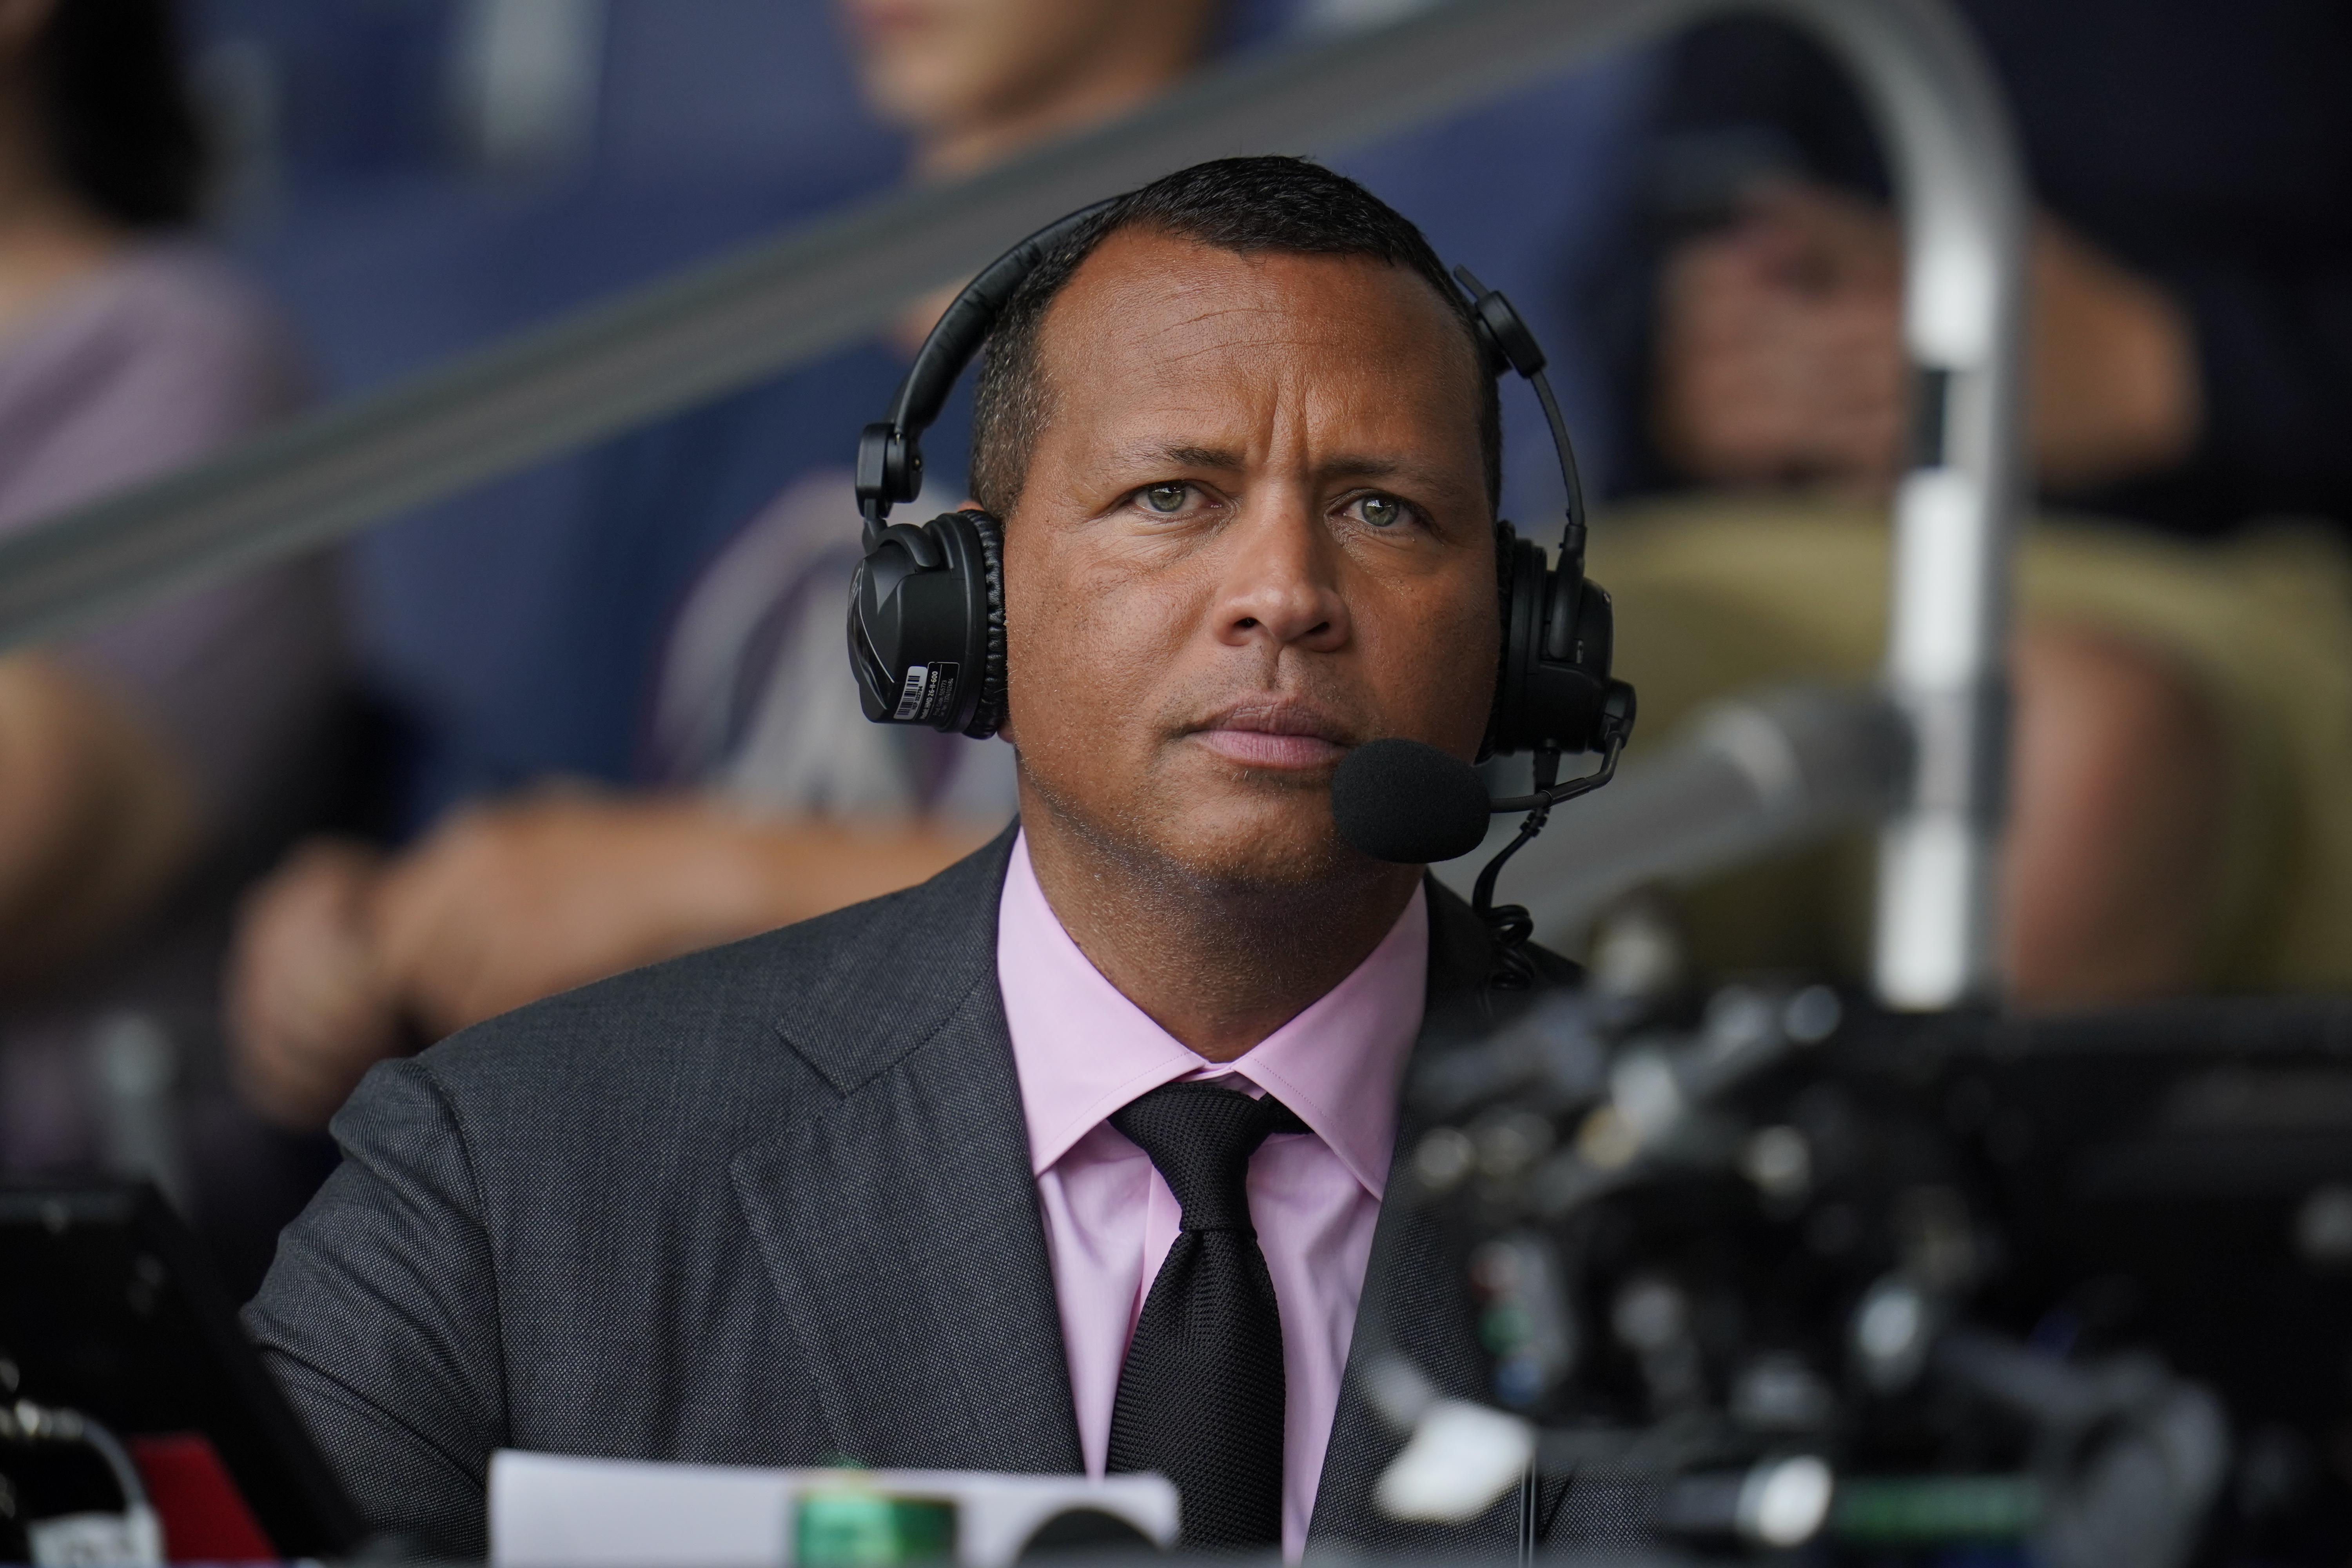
column 931, row 63
column 1254, row 533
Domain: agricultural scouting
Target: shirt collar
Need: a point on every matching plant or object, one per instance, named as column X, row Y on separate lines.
column 1083, row 1050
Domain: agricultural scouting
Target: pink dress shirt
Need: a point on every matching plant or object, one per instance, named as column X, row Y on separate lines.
column 1083, row 1050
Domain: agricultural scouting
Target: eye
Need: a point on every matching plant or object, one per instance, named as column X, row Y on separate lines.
column 1166, row 498
column 1380, row 511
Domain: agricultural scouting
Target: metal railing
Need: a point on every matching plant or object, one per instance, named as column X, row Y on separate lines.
column 788, row 302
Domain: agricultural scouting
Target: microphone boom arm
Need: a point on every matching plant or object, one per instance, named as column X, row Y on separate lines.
column 1511, row 923
column 1543, row 799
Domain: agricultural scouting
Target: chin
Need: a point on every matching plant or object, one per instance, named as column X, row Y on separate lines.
column 1260, row 844
column 1233, row 834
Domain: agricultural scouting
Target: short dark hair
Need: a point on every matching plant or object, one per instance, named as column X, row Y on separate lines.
column 1247, row 206
column 122, row 128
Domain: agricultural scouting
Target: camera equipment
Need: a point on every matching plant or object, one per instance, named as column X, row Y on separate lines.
column 132, row 1538
column 1785, row 1271
column 109, row 1314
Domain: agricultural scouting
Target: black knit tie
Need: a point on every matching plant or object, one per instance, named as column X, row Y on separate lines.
column 1201, row 1396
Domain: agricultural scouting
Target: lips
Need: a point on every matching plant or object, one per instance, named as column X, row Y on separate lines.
column 1281, row 735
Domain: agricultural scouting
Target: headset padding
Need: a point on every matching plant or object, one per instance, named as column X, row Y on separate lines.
column 989, row 716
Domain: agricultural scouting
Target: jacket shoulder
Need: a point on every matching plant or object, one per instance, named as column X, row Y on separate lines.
column 745, row 1019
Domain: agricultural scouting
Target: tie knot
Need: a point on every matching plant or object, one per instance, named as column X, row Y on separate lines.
column 1201, row 1137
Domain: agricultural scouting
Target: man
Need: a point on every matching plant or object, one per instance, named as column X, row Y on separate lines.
column 875, row 1187
column 2183, row 665
column 763, row 795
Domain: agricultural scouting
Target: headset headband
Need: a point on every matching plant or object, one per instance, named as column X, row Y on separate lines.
column 1509, row 343
column 890, row 453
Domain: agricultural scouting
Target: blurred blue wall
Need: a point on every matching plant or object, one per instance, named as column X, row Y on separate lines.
column 713, row 121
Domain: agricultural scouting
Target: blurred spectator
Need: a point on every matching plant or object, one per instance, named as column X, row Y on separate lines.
column 2184, row 702
column 415, row 178
column 138, row 754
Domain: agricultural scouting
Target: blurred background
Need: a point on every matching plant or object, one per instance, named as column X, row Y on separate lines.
column 261, row 835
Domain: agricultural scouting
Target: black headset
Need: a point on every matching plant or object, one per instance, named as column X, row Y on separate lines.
column 926, row 604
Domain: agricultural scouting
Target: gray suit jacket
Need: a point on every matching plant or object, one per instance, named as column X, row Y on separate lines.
column 766, row 1205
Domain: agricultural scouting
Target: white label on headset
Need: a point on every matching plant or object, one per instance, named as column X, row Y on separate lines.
column 940, row 699
column 910, row 695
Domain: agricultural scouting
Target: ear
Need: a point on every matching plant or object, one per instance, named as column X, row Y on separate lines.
column 21, row 23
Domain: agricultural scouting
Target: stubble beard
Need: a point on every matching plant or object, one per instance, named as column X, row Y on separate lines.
column 1253, row 875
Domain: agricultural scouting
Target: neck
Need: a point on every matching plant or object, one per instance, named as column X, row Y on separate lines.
column 48, row 237
column 1218, row 964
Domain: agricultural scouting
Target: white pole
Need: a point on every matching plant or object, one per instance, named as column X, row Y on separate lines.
column 1965, row 215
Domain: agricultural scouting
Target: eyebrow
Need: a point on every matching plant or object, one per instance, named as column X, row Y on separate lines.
column 1224, row 459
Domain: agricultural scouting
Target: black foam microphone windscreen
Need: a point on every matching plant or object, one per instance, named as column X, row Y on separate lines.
column 1405, row 802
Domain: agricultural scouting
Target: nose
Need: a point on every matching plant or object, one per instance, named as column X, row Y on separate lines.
column 1280, row 584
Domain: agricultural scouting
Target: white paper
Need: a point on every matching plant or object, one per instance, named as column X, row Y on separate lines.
column 551, row 1511
column 133, row 1538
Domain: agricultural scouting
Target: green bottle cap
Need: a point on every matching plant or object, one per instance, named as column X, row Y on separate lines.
column 857, row 1527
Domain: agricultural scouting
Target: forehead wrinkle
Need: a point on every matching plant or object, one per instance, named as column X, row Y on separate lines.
column 1300, row 427
column 1265, row 340
column 1131, row 307
column 1280, row 337
column 1266, row 301
column 1185, row 454
column 1276, row 362
column 1262, row 291
column 1210, row 298
column 1272, row 299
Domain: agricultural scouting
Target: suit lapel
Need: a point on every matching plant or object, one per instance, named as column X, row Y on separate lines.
column 899, row 1221
column 1413, row 1296
column 898, row 1217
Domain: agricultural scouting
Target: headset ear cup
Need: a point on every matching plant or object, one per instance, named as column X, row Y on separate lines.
column 988, row 535
column 1498, row 711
